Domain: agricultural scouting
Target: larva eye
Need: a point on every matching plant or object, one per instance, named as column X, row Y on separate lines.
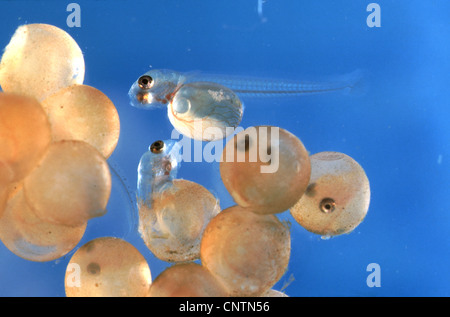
column 145, row 82
column 157, row 147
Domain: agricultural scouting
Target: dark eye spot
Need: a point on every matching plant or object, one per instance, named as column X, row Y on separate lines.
column 93, row 268
column 157, row 146
column 327, row 205
column 311, row 190
column 145, row 82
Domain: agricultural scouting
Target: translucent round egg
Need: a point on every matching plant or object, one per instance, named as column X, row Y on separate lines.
column 31, row 238
column 246, row 251
column 265, row 169
column 24, row 136
column 172, row 228
column 70, row 185
column 107, row 267
column 187, row 280
column 337, row 198
column 81, row 112
column 39, row 60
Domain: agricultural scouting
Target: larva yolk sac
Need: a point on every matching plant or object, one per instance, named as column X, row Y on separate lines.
column 187, row 280
column 205, row 111
column 107, row 267
column 39, row 60
column 337, row 198
column 173, row 225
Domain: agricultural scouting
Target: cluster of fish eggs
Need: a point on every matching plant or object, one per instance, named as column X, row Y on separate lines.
column 245, row 249
column 56, row 135
column 46, row 154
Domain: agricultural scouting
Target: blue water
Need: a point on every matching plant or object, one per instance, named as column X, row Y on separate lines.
column 397, row 130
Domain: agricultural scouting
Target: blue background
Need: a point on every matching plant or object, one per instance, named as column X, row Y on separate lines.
column 398, row 130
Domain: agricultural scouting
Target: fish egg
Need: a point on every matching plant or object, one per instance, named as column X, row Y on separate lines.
column 31, row 238
column 24, row 136
column 172, row 228
column 39, row 60
column 70, row 185
column 81, row 112
column 265, row 169
column 245, row 251
column 337, row 198
column 187, row 280
column 107, row 267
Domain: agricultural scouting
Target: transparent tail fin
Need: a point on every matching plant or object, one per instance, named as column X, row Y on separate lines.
column 356, row 82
